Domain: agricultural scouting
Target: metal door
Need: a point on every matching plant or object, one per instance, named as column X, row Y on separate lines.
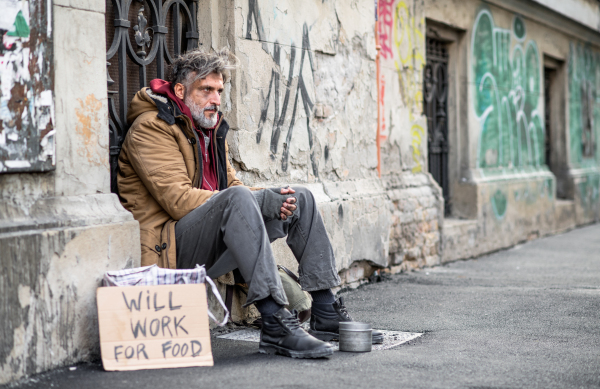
column 435, row 92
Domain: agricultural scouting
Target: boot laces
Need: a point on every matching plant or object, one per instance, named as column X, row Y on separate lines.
column 291, row 322
column 344, row 312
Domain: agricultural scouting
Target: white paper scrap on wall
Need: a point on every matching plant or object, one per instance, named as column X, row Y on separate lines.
column 10, row 9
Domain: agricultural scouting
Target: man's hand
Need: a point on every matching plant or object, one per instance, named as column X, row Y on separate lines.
column 276, row 203
column 289, row 205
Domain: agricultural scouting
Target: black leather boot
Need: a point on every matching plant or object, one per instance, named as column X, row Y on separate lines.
column 281, row 334
column 325, row 321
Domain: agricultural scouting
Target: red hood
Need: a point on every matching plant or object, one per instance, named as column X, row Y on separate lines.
column 164, row 87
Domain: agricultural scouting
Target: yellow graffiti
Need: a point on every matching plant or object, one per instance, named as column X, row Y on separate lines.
column 417, row 133
column 410, row 45
column 406, row 42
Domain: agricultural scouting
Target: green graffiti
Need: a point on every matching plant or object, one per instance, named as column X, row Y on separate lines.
column 584, row 106
column 20, row 27
column 519, row 28
column 506, row 91
column 499, row 204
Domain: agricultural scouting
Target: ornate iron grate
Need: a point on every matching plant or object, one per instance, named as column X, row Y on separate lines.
column 435, row 92
column 161, row 30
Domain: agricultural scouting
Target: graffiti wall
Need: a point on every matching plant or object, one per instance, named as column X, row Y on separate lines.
column 402, row 59
column 307, row 91
column 26, row 103
column 584, row 106
column 506, row 94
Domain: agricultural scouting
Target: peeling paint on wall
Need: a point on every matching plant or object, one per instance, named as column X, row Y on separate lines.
column 88, row 118
column 26, row 103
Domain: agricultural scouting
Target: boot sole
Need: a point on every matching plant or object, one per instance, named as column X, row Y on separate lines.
column 329, row 336
column 265, row 348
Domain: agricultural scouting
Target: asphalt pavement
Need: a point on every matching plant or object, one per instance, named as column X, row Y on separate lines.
column 527, row 317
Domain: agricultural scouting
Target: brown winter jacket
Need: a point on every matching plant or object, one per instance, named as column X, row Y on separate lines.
column 159, row 175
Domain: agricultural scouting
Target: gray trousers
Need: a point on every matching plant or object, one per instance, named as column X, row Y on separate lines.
column 229, row 232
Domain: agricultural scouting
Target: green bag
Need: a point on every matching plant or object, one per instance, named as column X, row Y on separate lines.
column 297, row 298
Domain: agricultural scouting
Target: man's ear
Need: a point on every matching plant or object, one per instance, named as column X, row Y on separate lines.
column 179, row 90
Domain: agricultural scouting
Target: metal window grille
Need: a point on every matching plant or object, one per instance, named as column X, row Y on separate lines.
column 435, row 93
column 160, row 30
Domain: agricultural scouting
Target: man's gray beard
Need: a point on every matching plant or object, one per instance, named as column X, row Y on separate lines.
column 198, row 114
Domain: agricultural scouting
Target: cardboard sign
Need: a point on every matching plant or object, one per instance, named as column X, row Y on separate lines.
column 154, row 327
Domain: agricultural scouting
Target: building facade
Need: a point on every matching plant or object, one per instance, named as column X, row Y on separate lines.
column 428, row 131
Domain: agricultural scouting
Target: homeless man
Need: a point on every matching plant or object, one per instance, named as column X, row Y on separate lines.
column 176, row 179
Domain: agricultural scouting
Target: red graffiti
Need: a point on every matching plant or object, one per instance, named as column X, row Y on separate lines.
column 386, row 23
column 382, row 131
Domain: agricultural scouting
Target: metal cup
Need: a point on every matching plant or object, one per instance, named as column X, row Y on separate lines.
column 355, row 337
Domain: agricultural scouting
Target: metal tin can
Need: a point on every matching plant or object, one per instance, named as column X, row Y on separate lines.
column 355, row 337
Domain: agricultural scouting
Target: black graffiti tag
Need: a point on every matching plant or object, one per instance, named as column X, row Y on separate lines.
column 274, row 84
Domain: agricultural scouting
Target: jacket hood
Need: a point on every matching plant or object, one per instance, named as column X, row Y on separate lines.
column 142, row 103
column 147, row 100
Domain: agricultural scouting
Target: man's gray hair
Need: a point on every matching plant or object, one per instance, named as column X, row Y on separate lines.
column 197, row 64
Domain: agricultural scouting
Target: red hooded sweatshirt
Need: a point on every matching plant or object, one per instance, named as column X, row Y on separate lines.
column 209, row 180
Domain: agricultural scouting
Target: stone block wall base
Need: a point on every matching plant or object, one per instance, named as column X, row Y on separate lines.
column 417, row 209
column 459, row 240
column 49, row 280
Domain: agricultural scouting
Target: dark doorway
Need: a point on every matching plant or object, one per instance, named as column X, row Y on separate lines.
column 435, row 104
column 549, row 75
column 556, row 143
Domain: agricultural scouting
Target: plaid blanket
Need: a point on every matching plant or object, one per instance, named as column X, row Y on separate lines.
column 154, row 275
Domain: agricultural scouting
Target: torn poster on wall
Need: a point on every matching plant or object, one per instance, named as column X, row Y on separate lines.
column 26, row 84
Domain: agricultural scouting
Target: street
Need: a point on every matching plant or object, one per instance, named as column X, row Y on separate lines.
column 526, row 317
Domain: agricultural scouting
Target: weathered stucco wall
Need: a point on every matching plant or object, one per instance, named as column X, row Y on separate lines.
column 59, row 230
column 305, row 107
column 307, row 100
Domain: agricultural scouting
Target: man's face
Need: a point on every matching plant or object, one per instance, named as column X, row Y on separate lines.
column 204, row 98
